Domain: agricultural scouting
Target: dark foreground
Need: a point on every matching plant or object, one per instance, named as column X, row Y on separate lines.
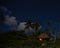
column 19, row 40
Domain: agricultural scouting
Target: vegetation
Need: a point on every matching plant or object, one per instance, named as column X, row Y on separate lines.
column 18, row 39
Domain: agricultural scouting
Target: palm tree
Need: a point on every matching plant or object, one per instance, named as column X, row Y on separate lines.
column 49, row 23
column 46, row 30
column 35, row 26
column 48, row 27
column 28, row 23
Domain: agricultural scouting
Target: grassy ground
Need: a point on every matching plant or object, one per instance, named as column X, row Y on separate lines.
column 29, row 44
column 14, row 41
column 58, row 43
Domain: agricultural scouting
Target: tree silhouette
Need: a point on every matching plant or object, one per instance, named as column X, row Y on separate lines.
column 48, row 27
column 28, row 23
column 46, row 30
column 49, row 23
column 36, row 26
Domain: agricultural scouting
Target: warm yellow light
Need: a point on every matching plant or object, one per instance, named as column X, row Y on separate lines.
column 41, row 39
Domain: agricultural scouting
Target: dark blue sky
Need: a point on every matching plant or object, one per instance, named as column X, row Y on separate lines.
column 39, row 11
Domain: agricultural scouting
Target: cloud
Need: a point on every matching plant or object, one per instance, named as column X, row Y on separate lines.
column 10, row 20
column 21, row 26
column 39, row 27
column 29, row 31
column 5, row 10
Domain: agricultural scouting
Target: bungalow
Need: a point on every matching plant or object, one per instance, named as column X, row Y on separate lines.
column 44, row 36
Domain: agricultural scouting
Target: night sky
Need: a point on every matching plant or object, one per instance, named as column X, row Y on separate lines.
column 39, row 11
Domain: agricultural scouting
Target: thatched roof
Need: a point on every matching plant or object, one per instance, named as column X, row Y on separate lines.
column 44, row 35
